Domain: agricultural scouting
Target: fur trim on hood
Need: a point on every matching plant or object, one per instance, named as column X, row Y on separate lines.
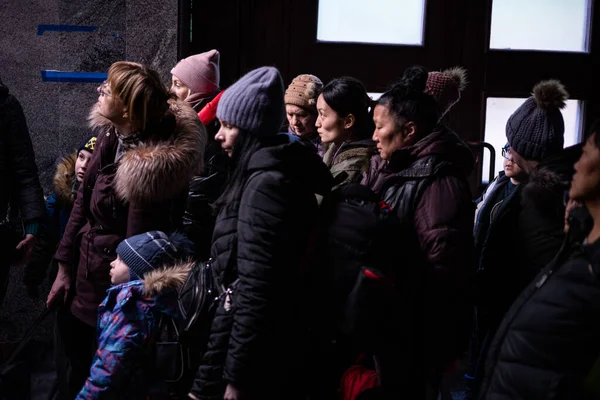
column 173, row 277
column 64, row 180
column 156, row 170
column 546, row 186
column 359, row 149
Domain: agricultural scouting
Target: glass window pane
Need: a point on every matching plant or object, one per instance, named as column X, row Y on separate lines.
column 500, row 109
column 551, row 25
column 374, row 95
column 375, row 21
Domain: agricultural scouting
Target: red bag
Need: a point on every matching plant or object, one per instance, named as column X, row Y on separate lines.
column 357, row 379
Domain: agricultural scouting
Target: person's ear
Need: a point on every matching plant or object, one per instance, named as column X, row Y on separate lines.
column 349, row 121
column 410, row 132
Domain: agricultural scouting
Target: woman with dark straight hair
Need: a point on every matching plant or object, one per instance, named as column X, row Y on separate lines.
column 345, row 124
column 266, row 218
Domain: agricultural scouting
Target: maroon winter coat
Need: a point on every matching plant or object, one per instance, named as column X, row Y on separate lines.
column 145, row 190
column 426, row 185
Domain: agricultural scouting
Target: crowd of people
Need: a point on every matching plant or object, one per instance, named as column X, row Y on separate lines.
column 352, row 259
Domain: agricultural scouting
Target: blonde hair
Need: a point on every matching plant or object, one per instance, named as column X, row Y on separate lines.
column 141, row 91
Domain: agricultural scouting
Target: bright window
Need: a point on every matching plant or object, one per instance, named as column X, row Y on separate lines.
column 550, row 25
column 374, row 95
column 497, row 114
column 375, row 21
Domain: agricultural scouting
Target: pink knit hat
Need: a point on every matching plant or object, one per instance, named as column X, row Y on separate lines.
column 199, row 72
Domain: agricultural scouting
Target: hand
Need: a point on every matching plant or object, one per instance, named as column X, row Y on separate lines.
column 61, row 285
column 27, row 245
column 231, row 393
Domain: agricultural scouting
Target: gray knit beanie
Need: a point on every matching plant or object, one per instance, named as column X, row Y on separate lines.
column 255, row 102
column 147, row 251
column 536, row 129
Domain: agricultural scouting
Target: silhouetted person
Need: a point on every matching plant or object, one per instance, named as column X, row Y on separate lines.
column 19, row 186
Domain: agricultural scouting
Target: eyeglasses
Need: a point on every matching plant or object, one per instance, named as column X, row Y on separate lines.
column 102, row 91
column 506, row 153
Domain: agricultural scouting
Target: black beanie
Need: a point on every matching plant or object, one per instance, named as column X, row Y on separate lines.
column 89, row 143
column 536, row 129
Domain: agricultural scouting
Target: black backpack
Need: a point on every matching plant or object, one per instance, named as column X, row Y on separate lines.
column 181, row 342
column 352, row 255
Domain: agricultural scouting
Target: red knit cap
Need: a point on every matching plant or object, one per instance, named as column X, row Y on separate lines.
column 446, row 86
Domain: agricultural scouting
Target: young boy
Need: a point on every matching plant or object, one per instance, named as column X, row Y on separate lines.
column 147, row 273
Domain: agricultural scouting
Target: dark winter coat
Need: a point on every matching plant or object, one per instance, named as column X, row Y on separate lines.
column 145, row 190
column 258, row 345
column 525, row 235
column 58, row 209
column 199, row 217
column 426, row 186
column 19, row 180
column 548, row 341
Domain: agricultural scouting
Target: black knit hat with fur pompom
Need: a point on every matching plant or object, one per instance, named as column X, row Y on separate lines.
column 536, row 129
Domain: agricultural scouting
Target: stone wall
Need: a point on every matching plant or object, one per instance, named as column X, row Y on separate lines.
column 135, row 30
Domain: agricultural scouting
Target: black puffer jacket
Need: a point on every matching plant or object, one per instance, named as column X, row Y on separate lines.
column 199, row 217
column 548, row 341
column 258, row 344
column 19, row 180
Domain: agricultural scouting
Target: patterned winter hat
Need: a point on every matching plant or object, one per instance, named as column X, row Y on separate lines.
column 147, row 251
column 89, row 144
column 303, row 92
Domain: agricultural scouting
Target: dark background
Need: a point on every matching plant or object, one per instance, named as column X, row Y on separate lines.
column 252, row 33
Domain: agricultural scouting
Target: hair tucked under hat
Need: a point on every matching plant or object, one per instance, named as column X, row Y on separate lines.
column 200, row 72
column 303, row 92
column 536, row 129
column 147, row 251
column 255, row 102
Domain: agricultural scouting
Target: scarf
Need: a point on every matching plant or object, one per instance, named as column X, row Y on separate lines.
column 127, row 143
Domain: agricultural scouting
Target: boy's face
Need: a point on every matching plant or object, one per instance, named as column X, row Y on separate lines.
column 119, row 272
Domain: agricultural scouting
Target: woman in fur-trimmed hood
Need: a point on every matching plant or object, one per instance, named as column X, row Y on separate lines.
column 148, row 148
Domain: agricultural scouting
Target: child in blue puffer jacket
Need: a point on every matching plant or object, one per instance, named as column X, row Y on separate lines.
column 148, row 271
